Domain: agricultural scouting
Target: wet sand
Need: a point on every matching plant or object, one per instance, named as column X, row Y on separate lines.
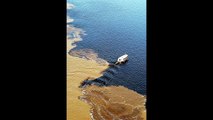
column 93, row 102
column 79, row 69
column 99, row 102
column 114, row 103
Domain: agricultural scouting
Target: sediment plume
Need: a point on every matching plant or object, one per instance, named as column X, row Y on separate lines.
column 94, row 102
column 88, row 54
column 114, row 103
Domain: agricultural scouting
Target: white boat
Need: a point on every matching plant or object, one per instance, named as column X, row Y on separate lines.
column 122, row 59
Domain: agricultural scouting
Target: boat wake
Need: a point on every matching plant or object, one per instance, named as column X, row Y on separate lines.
column 105, row 79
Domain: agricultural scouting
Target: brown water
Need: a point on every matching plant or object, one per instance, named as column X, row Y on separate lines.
column 114, row 103
column 93, row 102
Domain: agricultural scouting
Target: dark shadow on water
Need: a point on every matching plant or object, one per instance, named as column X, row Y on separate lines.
column 109, row 78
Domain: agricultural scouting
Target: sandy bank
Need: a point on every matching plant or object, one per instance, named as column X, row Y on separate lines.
column 114, row 103
column 78, row 70
column 99, row 102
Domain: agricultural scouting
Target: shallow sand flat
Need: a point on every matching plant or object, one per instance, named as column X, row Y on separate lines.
column 78, row 70
column 71, row 41
column 99, row 102
column 114, row 102
column 103, row 102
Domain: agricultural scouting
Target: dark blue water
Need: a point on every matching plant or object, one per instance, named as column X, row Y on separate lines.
column 113, row 28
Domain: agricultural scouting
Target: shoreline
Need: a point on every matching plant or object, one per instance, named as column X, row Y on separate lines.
column 112, row 102
column 79, row 69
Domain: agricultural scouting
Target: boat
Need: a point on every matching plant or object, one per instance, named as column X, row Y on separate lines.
column 122, row 59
